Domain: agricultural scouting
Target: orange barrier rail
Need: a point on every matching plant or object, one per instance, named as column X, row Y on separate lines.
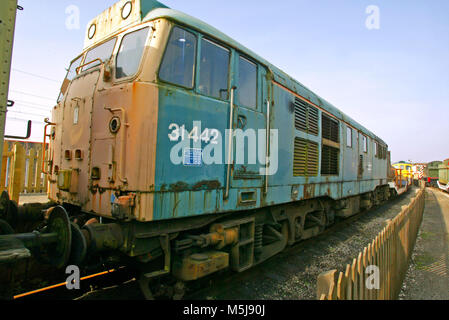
column 61, row 284
column 379, row 270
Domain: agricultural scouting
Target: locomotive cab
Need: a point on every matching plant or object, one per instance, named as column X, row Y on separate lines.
column 109, row 86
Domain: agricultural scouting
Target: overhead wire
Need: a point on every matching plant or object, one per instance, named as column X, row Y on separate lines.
column 36, row 75
column 29, row 103
column 29, row 113
column 20, row 119
column 33, row 95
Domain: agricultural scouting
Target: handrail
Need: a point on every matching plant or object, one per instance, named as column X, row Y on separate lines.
column 267, row 146
column 85, row 64
column 123, row 145
column 230, row 142
column 48, row 123
column 28, row 135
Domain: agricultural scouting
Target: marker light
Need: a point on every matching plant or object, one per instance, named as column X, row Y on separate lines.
column 92, row 30
column 126, row 10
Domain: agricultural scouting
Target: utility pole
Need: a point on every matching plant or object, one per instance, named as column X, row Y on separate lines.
column 8, row 10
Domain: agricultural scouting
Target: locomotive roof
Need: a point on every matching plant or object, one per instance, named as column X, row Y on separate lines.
column 279, row 76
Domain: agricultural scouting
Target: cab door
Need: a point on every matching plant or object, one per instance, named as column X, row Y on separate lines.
column 249, row 123
column 360, row 156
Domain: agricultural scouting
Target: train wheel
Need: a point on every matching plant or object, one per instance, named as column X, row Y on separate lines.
column 8, row 210
column 5, row 228
column 58, row 254
column 144, row 284
column 168, row 290
column 78, row 248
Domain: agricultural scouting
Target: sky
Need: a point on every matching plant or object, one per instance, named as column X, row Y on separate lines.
column 388, row 69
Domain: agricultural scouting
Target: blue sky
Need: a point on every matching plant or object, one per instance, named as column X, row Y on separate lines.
column 394, row 80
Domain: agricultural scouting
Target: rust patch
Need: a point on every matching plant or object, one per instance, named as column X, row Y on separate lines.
column 309, row 191
column 101, row 190
column 207, row 185
column 94, row 189
column 179, row 187
column 243, row 173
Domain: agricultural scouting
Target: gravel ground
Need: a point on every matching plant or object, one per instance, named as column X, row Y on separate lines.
column 428, row 275
column 290, row 275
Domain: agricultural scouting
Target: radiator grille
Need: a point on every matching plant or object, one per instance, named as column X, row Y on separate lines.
column 329, row 160
column 331, row 128
column 306, row 158
column 306, row 117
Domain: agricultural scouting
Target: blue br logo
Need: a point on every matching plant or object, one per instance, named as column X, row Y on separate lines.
column 193, row 157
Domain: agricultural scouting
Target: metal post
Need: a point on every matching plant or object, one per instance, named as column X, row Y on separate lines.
column 8, row 9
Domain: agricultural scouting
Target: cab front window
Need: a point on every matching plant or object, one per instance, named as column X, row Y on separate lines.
column 101, row 53
column 70, row 75
column 72, row 69
column 130, row 53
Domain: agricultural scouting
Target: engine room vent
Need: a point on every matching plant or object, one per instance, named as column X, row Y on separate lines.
column 329, row 160
column 331, row 129
column 306, row 117
column 360, row 171
column 306, row 158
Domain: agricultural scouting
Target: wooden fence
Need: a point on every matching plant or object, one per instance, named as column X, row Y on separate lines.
column 379, row 270
column 21, row 169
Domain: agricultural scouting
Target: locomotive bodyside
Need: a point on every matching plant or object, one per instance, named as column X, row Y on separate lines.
column 152, row 107
column 140, row 140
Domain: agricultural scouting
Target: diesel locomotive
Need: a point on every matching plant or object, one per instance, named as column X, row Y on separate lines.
column 176, row 149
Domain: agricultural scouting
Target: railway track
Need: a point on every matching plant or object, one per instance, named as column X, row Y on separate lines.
column 289, row 275
column 298, row 258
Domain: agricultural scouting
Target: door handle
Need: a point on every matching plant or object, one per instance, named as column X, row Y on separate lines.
column 231, row 125
column 241, row 122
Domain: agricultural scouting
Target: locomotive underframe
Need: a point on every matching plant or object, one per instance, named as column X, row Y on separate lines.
column 190, row 248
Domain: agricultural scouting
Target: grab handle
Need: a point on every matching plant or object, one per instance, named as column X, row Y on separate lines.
column 48, row 123
column 230, row 142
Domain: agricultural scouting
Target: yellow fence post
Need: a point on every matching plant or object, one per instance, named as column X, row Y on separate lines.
column 326, row 285
column 31, row 171
column 17, row 172
column 347, row 284
column 37, row 184
column 4, row 173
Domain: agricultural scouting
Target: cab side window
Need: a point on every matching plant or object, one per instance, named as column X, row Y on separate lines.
column 247, row 83
column 178, row 64
column 214, row 70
